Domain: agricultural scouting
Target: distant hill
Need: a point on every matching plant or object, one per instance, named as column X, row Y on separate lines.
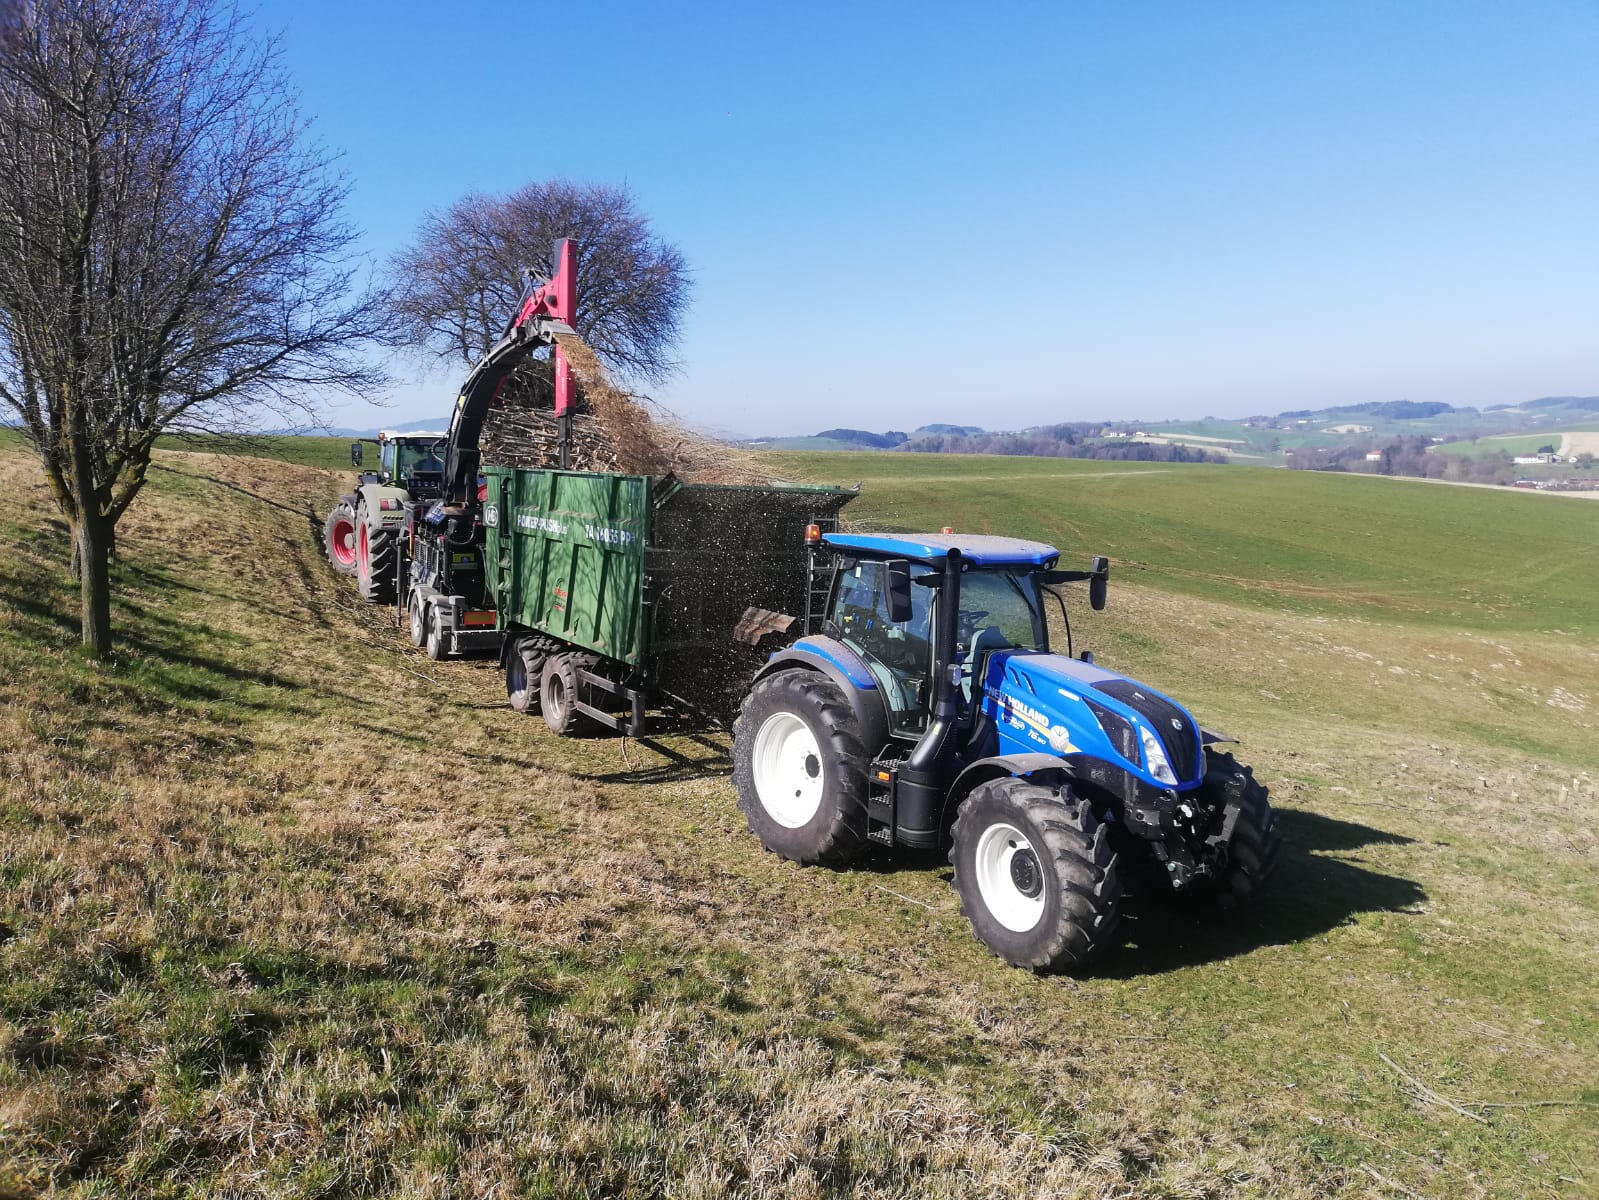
column 1261, row 440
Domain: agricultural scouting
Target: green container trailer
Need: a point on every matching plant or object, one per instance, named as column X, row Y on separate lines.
column 618, row 594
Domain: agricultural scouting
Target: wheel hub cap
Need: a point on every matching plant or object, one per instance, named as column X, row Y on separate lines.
column 1010, row 879
column 787, row 765
column 1024, row 873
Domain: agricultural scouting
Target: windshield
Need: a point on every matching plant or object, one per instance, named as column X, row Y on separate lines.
column 1001, row 607
column 421, row 456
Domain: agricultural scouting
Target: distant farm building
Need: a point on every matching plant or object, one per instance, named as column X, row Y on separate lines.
column 1533, row 460
column 1374, row 456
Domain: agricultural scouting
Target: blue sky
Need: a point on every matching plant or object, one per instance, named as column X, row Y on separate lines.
column 1010, row 214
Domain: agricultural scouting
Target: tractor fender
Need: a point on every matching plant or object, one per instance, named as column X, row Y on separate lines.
column 373, row 494
column 1001, row 766
column 843, row 666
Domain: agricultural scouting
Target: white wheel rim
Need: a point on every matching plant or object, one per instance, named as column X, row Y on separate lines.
column 418, row 628
column 788, row 770
column 997, row 849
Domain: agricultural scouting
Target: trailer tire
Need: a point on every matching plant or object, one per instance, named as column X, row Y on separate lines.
column 438, row 644
column 338, row 538
column 1254, row 843
column 524, row 669
column 374, row 558
column 417, row 620
column 1036, row 874
column 558, row 694
column 800, row 769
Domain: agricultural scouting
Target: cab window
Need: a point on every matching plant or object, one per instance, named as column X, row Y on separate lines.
column 386, row 460
column 898, row 655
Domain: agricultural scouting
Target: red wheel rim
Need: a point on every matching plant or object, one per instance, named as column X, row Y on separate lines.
column 342, row 541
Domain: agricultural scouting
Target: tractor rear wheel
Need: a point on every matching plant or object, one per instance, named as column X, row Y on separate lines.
column 800, row 769
column 558, row 694
column 1252, row 846
column 374, row 558
column 338, row 537
column 1036, row 874
column 524, row 667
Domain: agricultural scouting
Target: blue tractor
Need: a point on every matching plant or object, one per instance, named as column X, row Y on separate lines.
column 925, row 708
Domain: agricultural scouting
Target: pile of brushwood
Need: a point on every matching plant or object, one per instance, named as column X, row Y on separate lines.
column 612, row 429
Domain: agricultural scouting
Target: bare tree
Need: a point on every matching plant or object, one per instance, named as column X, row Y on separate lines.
column 172, row 254
column 458, row 282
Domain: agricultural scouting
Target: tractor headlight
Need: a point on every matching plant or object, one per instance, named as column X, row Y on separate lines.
column 1155, row 757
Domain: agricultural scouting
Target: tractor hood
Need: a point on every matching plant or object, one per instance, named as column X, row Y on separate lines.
column 1059, row 705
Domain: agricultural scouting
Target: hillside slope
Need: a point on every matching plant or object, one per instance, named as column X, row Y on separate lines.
column 286, row 909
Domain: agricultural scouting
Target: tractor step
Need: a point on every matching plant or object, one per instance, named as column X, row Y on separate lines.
column 881, row 806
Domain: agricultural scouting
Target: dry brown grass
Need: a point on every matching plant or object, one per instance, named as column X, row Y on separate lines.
column 290, row 910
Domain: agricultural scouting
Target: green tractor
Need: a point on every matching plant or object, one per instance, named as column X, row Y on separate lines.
column 361, row 529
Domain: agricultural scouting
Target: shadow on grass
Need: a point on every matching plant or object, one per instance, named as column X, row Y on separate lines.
column 1310, row 895
column 232, row 487
column 678, row 767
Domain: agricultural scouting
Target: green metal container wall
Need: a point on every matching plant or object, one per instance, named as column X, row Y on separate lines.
column 565, row 555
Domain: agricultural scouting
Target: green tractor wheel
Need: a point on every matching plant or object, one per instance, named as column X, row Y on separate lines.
column 374, row 558
column 338, row 537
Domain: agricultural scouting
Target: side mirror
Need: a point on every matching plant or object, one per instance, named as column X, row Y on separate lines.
column 898, row 573
column 1098, row 580
column 355, row 454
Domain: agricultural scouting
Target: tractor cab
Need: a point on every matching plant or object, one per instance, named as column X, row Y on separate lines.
column 871, row 610
column 413, row 460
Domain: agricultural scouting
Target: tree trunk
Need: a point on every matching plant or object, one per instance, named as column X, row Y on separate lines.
column 93, row 553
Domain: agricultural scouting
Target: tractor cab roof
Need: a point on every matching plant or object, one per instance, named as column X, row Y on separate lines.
column 410, row 435
column 979, row 549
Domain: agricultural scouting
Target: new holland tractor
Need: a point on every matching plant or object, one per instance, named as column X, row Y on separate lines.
column 926, row 709
column 361, row 530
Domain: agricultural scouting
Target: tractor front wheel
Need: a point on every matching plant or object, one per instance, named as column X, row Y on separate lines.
column 374, row 558
column 1036, row 874
column 800, row 769
column 1252, row 842
column 338, row 536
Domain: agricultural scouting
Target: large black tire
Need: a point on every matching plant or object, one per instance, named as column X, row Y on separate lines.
column 1036, row 874
column 438, row 644
column 524, row 672
column 795, row 731
column 338, row 538
column 374, row 558
column 417, row 620
column 558, row 692
column 1255, row 840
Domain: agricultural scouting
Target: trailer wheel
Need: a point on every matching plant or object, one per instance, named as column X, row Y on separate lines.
column 800, row 769
column 438, row 640
column 417, row 620
column 558, row 694
column 1036, row 874
column 338, row 537
column 524, row 667
column 1252, row 846
column 374, row 558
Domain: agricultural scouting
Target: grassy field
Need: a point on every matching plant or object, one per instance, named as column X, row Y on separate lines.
column 1524, row 443
column 1315, row 543
column 287, row 910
